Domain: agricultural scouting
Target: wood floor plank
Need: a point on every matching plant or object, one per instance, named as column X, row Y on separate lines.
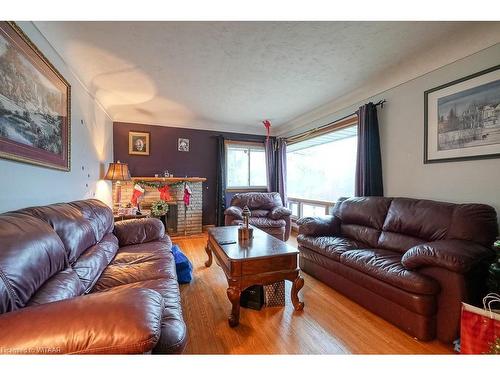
column 329, row 324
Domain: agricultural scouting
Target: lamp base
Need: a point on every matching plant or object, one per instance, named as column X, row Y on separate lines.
column 245, row 234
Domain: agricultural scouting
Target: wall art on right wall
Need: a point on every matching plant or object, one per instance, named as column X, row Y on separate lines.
column 462, row 119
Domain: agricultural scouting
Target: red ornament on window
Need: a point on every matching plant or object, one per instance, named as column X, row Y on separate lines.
column 267, row 125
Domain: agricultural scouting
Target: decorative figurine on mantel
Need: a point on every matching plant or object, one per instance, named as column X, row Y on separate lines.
column 245, row 233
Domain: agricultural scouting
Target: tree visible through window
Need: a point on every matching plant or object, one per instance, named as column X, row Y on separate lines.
column 323, row 168
column 245, row 165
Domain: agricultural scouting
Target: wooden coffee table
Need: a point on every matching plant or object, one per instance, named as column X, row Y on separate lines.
column 260, row 261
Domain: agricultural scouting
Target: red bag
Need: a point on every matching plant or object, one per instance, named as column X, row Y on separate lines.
column 480, row 328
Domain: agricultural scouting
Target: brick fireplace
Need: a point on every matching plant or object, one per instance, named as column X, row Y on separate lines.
column 178, row 223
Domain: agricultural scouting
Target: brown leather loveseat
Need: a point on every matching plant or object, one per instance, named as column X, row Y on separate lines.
column 72, row 282
column 410, row 261
column 268, row 213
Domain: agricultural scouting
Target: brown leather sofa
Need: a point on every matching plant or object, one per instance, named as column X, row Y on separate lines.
column 267, row 211
column 410, row 261
column 72, row 282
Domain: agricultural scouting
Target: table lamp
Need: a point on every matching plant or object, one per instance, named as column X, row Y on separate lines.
column 118, row 172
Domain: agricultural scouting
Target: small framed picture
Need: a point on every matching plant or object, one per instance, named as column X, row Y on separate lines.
column 138, row 143
column 183, row 145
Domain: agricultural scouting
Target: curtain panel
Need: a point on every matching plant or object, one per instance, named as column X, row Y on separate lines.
column 220, row 198
column 276, row 167
column 368, row 178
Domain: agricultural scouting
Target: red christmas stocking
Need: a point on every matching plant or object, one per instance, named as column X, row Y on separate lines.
column 187, row 195
column 165, row 193
column 138, row 191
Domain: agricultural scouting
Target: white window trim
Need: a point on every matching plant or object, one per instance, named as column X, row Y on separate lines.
column 246, row 146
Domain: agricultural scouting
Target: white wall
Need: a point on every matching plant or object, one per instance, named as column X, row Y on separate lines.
column 401, row 124
column 25, row 185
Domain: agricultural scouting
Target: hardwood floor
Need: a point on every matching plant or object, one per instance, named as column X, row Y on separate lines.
column 329, row 324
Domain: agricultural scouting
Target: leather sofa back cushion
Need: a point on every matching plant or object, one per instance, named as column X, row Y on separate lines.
column 398, row 242
column 423, row 219
column 90, row 265
column 263, row 201
column 474, row 222
column 30, row 253
column 433, row 221
column 99, row 215
column 368, row 212
column 360, row 233
column 75, row 231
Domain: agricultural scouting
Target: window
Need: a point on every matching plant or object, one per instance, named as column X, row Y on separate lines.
column 245, row 165
column 320, row 170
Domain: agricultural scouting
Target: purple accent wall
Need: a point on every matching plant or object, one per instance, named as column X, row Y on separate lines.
column 200, row 161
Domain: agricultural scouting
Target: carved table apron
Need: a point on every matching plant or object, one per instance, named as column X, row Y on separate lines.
column 254, row 267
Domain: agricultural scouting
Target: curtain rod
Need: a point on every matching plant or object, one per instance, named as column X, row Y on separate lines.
column 379, row 103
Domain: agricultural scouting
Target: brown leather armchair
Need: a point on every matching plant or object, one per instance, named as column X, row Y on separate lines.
column 72, row 282
column 267, row 211
column 410, row 261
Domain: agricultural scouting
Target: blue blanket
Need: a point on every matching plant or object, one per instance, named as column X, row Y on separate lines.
column 183, row 266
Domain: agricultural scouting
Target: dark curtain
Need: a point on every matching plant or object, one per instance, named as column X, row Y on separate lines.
column 272, row 170
column 281, row 162
column 368, row 180
column 276, row 166
column 220, row 199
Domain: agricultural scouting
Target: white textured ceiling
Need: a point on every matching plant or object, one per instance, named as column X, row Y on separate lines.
column 232, row 75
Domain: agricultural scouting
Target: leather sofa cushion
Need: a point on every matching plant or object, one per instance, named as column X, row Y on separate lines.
column 386, row 266
column 263, row 222
column 398, row 242
column 361, row 233
column 173, row 337
column 75, row 231
column 330, row 247
column 234, row 211
column 94, row 260
column 134, row 263
column 279, row 213
column 260, row 213
column 364, row 211
column 263, row 201
column 474, row 222
column 62, row 285
column 121, row 322
column 423, row 304
column 99, row 215
column 30, row 254
column 423, row 219
column 132, row 232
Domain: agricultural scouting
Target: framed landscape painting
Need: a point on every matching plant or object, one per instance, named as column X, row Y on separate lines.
column 34, row 104
column 462, row 119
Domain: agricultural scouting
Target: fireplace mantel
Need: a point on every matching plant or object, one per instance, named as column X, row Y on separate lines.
column 170, row 180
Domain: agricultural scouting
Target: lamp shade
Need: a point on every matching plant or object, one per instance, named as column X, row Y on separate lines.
column 118, row 172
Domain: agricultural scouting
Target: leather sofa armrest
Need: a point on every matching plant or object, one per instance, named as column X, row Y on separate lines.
column 455, row 255
column 234, row 211
column 279, row 213
column 137, row 231
column 319, row 226
column 126, row 322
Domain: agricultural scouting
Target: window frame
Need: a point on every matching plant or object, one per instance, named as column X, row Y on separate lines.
column 330, row 128
column 248, row 146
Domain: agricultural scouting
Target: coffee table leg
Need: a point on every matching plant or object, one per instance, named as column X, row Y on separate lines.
column 297, row 285
column 233, row 294
column 208, row 263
